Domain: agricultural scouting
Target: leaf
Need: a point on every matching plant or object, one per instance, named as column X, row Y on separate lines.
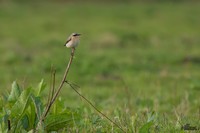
column 146, row 127
column 21, row 104
column 19, row 108
column 150, row 121
column 25, row 122
column 31, row 116
column 151, row 116
column 38, row 105
column 15, row 92
column 60, row 121
column 41, row 87
column 31, row 113
column 31, row 131
column 3, row 123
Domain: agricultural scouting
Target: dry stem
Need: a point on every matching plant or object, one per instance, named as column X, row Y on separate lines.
column 96, row 108
column 52, row 97
column 52, row 100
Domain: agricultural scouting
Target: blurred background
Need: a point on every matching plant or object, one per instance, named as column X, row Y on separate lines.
column 133, row 54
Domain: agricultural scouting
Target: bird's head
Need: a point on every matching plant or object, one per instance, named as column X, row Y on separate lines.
column 75, row 34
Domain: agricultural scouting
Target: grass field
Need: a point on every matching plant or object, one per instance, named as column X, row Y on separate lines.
column 133, row 59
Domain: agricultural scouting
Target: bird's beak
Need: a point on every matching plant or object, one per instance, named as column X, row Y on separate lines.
column 78, row 34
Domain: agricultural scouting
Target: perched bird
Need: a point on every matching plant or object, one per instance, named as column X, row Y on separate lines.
column 73, row 40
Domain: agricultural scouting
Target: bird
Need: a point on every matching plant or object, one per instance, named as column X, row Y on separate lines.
column 73, row 40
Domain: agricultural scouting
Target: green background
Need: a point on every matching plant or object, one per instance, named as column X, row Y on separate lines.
column 133, row 56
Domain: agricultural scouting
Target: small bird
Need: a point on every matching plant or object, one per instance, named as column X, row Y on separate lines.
column 73, row 40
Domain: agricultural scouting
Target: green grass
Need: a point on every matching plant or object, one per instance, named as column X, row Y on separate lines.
column 133, row 58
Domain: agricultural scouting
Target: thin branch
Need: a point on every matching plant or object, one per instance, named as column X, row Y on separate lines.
column 53, row 76
column 50, row 95
column 64, row 77
column 95, row 107
column 57, row 91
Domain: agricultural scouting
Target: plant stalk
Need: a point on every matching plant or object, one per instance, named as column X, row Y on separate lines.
column 52, row 100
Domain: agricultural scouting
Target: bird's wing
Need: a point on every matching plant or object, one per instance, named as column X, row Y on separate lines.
column 69, row 39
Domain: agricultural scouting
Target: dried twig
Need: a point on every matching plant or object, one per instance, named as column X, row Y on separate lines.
column 52, row 86
column 95, row 107
column 54, row 94
column 51, row 93
column 52, row 99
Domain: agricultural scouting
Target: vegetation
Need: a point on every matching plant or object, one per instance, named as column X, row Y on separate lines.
column 138, row 63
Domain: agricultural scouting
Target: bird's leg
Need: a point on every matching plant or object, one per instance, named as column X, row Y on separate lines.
column 72, row 52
